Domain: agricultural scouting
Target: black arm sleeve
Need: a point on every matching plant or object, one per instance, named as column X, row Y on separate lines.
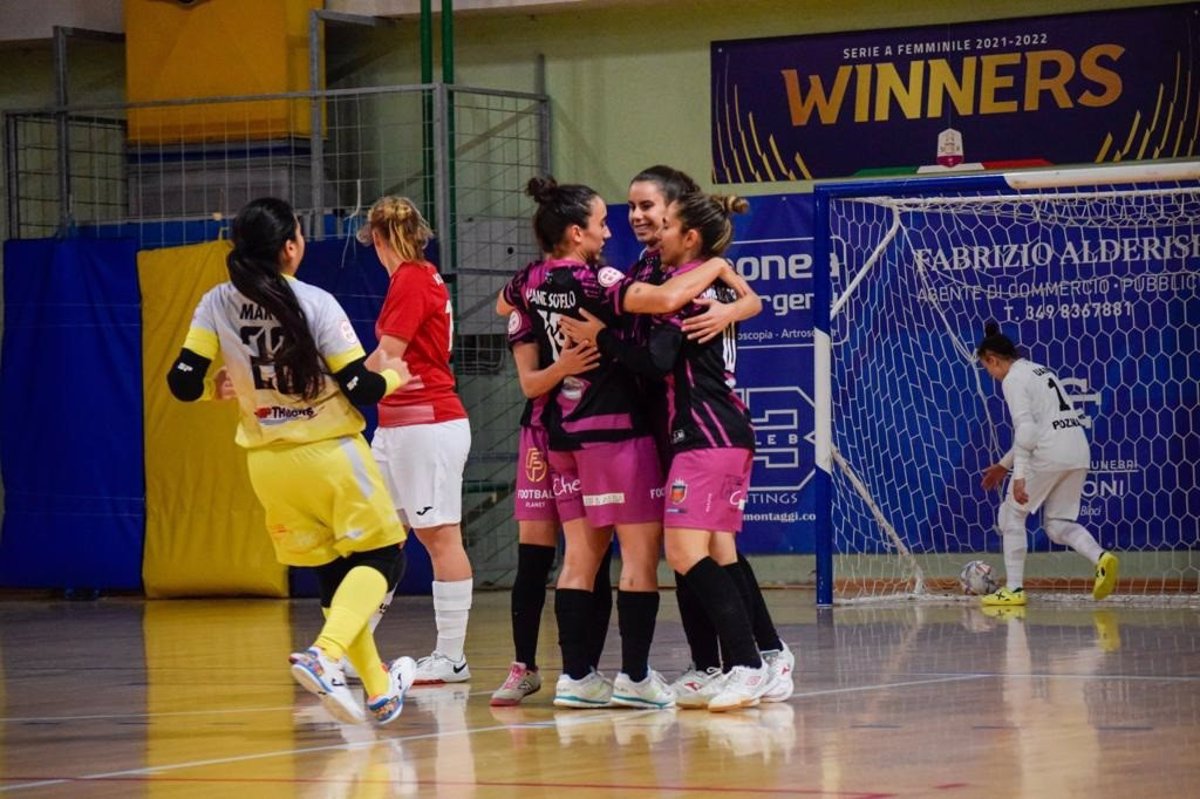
column 360, row 384
column 653, row 360
column 186, row 378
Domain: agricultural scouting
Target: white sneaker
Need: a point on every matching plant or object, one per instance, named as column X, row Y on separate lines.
column 743, row 687
column 651, row 692
column 695, row 688
column 319, row 675
column 386, row 708
column 520, row 683
column 591, row 691
column 436, row 669
column 781, row 665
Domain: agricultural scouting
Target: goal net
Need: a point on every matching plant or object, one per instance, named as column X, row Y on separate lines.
column 1094, row 274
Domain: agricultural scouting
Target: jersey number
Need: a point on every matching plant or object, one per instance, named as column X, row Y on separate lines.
column 262, row 343
column 554, row 333
column 1063, row 405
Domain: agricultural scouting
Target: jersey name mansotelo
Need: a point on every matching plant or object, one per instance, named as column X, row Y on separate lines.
column 598, row 405
column 249, row 336
column 1047, row 431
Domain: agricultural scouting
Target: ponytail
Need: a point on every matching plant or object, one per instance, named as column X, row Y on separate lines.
column 558, row 207
column 259, row 233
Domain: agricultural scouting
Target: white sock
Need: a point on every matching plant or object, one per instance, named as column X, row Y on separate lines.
column 1076, row 536
column 451, row 605
column 377, row 616
column 1015, row 547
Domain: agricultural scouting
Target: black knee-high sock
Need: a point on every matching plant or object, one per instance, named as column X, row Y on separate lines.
column 637, row 612
column 760, row 618
column 716, row 590
column 573, row 610
column 602, row 609
column 701, row 635
column 528, row 598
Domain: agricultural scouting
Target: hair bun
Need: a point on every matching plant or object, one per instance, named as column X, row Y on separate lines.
column 541, row 189
column 731, row 204
column 991, row 329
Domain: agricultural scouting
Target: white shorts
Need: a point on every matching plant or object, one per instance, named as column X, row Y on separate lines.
column 1056, row 493
column 422, row 466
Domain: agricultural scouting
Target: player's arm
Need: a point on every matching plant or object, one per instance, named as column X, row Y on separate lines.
column 362, row 384
column 653, row 360
column 388, row 349
column 677, row 292
column 718, row 315
column 574, row 359
column 188, row 378
column 503, row 308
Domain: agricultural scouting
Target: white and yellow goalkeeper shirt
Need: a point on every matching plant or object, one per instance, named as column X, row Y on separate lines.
column 247, row 335
column 1047, row 432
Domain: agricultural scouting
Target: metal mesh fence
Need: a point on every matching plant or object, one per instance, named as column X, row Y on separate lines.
column 173, row 173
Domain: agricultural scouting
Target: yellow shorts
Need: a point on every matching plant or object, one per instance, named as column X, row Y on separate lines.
column 324, row 500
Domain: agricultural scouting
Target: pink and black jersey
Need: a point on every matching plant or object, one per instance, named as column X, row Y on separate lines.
column 703, row 410
column 520, row 331
column 599, row 405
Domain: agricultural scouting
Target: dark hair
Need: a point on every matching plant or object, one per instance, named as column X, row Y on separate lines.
column 709, row 214
column 259, row 232
column 670, row 181
column 996, row 343
column 559, row 207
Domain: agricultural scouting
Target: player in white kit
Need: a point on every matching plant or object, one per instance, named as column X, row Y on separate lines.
column 1049, row 460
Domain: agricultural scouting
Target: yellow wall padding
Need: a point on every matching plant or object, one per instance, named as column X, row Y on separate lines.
column 218, row 692
column 205, row 532
column 217, row 48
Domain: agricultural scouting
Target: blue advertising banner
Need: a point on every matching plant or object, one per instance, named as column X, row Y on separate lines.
column 772, row 249
column 1105, row 86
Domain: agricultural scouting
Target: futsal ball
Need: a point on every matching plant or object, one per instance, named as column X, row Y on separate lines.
column 976, row 578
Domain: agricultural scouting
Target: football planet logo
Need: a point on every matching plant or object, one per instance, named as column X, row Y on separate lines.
column 514, row 322
column 535, row 465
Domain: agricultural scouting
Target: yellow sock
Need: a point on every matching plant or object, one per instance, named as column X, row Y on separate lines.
column 356, row 599
column 365, row 657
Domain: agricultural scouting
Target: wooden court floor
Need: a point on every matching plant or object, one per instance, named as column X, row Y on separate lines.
column 129, row 698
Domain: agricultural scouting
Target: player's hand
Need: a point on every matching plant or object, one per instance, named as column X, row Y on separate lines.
column 223, row 385
column 1019, row 492
column 585, row 330
column 397, row 365
column 708, row 325
column 993, row 476
column 577, row 358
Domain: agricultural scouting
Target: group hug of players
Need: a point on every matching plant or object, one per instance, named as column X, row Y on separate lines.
column 632, row 427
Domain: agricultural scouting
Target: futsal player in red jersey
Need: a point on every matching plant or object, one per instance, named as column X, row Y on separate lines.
column 423, row 437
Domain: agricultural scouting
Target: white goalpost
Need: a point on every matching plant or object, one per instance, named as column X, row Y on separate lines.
column 1094, row 272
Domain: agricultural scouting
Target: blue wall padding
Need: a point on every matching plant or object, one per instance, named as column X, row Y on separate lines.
column 71, row 415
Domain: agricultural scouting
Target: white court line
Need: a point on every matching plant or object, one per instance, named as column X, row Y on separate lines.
column 586, row 718
column 1039, row 675
column 102, row 716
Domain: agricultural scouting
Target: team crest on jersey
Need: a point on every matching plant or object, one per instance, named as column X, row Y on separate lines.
column 535, row 465
column 348, row 333
column 678, row 492
column 514, row 322
column 609, row 276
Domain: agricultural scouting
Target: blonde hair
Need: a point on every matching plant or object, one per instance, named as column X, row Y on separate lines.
column 399, row 223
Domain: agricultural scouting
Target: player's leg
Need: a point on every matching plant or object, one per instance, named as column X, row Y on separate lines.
column 781, row 663
column 1060, row 516
column 602, row 605
column 688, row 553
column 1011, row 523
column 424, row 465
column 536, row 547
column 580, row 685
column 705, row 666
